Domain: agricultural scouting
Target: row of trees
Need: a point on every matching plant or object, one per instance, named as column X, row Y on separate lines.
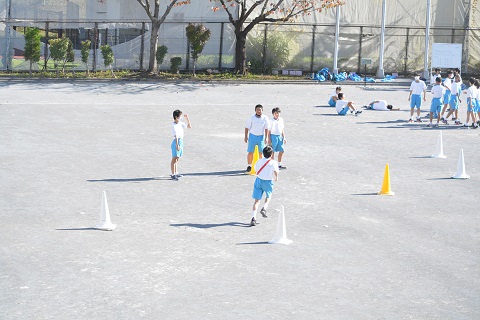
column 244, row 15
column 61, row 49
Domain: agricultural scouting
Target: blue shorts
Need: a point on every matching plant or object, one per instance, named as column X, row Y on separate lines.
column 331, row 103
column 453, row 102
column 253, row 141
column 177, row 153
column 277, row 143
column 436, row 105
column 446, row 96
column 477, row 104
column 344, row 111
column 415, row 101
column 472, row 105
column 260, row 186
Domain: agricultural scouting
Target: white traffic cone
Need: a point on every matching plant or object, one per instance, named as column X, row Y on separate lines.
column 461, row 174
column 105, row 223
column 281, row 235
column 439, row 152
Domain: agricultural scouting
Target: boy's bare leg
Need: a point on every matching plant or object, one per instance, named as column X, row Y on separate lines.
column 173, row 165
column 250, row 158
column 280, row 155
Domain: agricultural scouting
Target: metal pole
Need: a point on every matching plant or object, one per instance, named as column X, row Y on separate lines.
column 313, row 48
column 142, row 45
column 427, row 41
column 220, row 51
column 264, row 58
column 45, row 57
column 8, row 54
column 381, row 72
column 360, row 40
column 337, row 32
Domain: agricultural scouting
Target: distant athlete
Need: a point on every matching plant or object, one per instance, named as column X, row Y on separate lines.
column 380, row 105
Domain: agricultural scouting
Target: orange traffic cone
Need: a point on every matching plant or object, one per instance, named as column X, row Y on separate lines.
column 255, row 159
column 386, row 189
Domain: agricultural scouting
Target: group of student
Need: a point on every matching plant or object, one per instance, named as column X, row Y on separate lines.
column 268, row 135
column 344, row 107
column 446, row 98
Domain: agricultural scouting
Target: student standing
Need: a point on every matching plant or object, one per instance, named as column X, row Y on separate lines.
column 416, row 89
column 438, row 91
column 277, row 136
column 178, row 127
column 256, row 134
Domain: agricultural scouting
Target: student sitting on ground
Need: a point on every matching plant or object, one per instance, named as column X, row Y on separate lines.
column 344, row 106
column 380, row 105
column 334, row 97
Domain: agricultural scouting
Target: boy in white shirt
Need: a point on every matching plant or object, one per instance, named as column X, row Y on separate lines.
column 343, row 107
column 433, row 78
column 472, row 103
column 277, row 136
column 455, row 91
column 334, row 97
column 380, row 105
column 178, row 127
column 415, row 97
column 438, row 91
column 447, row 83
column 267, row 172
column 256, row 134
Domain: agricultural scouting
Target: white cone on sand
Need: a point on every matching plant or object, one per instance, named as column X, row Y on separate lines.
column 461, row 174
column 105, row 223
column 439, row 151
column 281, row 235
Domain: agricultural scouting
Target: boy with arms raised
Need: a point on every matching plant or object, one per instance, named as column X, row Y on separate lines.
column 178, row 127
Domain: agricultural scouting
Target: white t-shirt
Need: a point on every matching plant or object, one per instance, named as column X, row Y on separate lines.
column 455, row 88
column 438, row 91
column 257, row 126
column 472, row 92
column 434, row 77
column 267, row 172
column 178, row 129
column 334, row 94
column 340, row 105
column 380, row 105
column 448, row 83
column 276, row 126
column 418, row 87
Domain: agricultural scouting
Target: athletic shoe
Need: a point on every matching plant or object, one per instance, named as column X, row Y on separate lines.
column 282, row 167
column 474, row 126
column 429, row 125
column 445, row 121
column 179, row 175
column 264, row 213
column 357, row 112
column 174, row 177
column 409, row 120
column 436, row 125
column 478, row 122
column 249, row 168
column 457, row 122
column 253, row 223
column 418, row 120
column 465, row 125
column 442, row 119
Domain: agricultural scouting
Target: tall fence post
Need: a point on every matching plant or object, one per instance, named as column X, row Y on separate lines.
column 312, row 57
column 142, row 46
column 264, row 58
column 405, row 71
column 360, row 41
column 220, row 51
column 45, row 54
column 8, row 53
column 95, row 44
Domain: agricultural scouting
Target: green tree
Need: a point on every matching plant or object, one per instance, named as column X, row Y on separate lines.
column 70, row 55
column 32, row 46
column 108, row 57
column 86, row 53
column 197, row 35
column 161, row 53
column 277, row 53
column 58, row 51
column 251, row 13
column 175, row 63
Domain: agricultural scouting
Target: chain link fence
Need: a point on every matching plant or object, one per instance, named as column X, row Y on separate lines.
column 271, row 48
